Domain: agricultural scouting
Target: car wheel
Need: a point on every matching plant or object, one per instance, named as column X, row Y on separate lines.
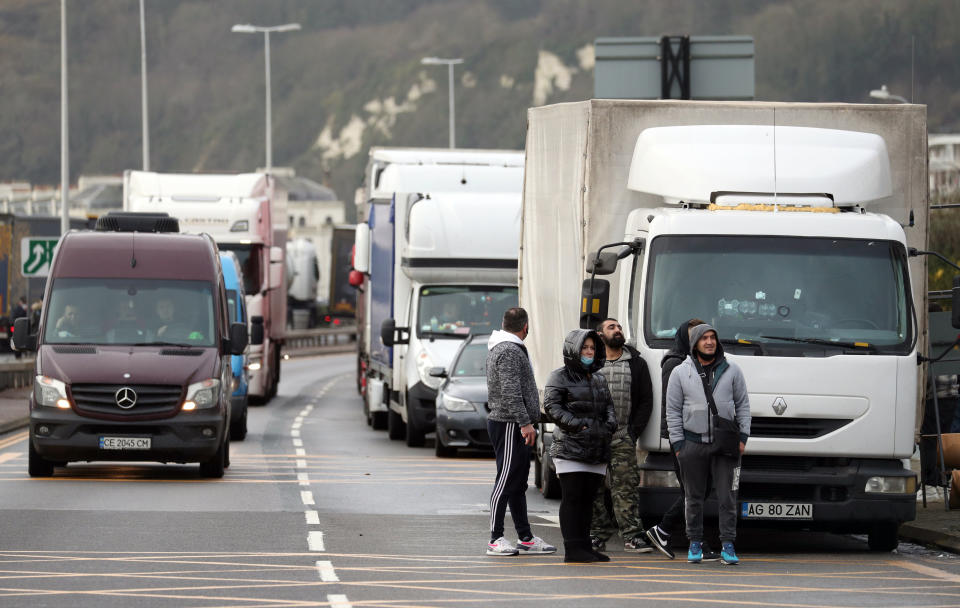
column 537, row 471
column 36, row 465
column 443, row 451
column 238, row 428
column 396, row 429
column 883, row 536
column 549, row 483
column 215, row 466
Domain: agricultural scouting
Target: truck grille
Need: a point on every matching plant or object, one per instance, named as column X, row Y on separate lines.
column 152, row 400
column 795, row 428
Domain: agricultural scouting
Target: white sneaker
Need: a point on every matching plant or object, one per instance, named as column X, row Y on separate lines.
column 535, row 545
column 502, row 546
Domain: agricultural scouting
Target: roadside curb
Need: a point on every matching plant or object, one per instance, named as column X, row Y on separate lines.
column 925, row 536
column 14, row 425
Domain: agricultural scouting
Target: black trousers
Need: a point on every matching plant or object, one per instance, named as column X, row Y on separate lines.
column 576, row 505
column 510, row 486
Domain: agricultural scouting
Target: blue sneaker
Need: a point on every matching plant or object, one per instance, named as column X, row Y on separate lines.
column 695, row 554
column 728, row 555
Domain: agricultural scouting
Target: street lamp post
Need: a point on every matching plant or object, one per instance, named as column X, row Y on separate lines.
column 256, row 29
column 143, row 90
column 884, row 94
column 449, row 63
column 64, row 126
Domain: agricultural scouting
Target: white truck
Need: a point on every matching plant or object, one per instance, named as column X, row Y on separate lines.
column 244, row 213
column 437, row 244
column 788, row 227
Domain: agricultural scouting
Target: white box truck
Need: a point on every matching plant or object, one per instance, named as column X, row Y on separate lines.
column 245, row 213
column 438, row 246
column 789, row 228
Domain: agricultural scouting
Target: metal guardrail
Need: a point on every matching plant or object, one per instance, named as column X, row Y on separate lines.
column 16, row 373
column 318, row 340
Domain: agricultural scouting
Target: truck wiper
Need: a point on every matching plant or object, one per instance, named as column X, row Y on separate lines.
column 162, row 343
column 756, row 346
column 821, row 342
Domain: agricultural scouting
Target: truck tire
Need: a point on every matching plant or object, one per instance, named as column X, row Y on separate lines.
column 36, row 465
column 549, row 483
column 884, row 536
column 396, row 429
column 379, row 420
column 215, row 467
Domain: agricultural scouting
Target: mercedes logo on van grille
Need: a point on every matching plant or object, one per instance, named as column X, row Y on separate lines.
column 126, row 397
column 779, row 406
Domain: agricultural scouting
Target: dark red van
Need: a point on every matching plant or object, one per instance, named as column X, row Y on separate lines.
column 133, row 349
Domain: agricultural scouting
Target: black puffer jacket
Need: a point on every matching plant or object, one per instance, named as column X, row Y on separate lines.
column 673, row 358
column 579, row 403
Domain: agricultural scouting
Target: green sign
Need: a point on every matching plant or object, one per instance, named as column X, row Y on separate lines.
column 36, row 253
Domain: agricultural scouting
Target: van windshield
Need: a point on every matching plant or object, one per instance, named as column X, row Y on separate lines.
column 457, row 311
column 130, row 311
column 796, row 293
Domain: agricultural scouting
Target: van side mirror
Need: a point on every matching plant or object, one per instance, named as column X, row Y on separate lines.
column 437, row 372
column 238, row 338
column 391, row 335
column 256, row 330
column 22, row 338
column 954, row 315
column 595, row 300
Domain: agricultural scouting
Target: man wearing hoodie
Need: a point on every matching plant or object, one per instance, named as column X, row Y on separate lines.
column 514, row 408
column 690, row 424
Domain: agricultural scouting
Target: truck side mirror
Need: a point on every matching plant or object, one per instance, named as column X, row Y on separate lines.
column 22, row 338
column 277, row 268
column 361, row 252
column 238, row 338
column 256, row 330
column 595, row 301
column 954, row 315
column 391, row 335
column 602, row 263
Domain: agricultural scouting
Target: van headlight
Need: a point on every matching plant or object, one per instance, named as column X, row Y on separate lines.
column 202, row 395
column 891, row 485
column 50, row 392
column 424, row 363
column 455, row 404
column 254, row 364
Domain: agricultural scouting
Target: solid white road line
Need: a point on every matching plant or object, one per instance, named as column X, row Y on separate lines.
column 326, row 572
column 313, row 518
column 307, row 497
column 339, row 601
column 315, row 540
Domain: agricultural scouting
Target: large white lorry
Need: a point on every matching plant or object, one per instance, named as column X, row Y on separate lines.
column 789, row 228
column 244, row 213
column 437, row 244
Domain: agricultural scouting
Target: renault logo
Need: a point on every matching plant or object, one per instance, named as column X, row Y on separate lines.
column 779, row 406
column 126, row 397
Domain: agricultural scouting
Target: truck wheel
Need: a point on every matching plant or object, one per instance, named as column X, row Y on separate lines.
column 215, row 466
column 379, row 420
column 238, row 428
column 37, row 466
column 396, row 429
column 549, row 483
column 883, row 536
column 443, row 451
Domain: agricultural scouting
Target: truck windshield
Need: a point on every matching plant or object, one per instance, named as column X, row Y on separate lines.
column 457, row 311
column 797, row 293
column 249, row 258
column 130, row 311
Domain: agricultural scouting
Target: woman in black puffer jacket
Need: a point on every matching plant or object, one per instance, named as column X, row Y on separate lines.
column 579, row 403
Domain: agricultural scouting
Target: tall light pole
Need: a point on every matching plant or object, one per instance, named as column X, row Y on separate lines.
column 449, row 63
column 256, row 29
column 886, row 95
column 64, row 126
column 143, row 90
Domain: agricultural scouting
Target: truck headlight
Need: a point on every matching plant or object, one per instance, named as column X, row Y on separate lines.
column 454, row 404
column 658, row 479
column 50, row 392
column 424, row 363
column 202, row 395
column 891, row 485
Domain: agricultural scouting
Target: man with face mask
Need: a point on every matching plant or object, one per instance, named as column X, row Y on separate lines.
column 629, row 383
column 690, row 424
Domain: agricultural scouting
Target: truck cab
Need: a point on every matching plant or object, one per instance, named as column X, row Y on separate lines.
column 133, row 349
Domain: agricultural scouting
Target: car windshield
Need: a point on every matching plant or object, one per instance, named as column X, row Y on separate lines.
column 788, row 291
column 130, row 311
column 472, row 361
column 463, row 310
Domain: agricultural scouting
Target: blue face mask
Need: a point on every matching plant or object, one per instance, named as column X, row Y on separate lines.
column 587, row 361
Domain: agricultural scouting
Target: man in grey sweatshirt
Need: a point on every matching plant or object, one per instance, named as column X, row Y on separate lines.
column 690, row 424
column 514, row 408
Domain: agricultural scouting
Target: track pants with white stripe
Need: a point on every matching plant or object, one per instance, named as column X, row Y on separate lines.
column 510, row 488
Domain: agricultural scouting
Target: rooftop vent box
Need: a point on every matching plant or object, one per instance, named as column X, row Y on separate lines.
column 128, row 221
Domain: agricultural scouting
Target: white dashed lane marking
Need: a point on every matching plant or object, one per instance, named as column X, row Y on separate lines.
column 326, row 572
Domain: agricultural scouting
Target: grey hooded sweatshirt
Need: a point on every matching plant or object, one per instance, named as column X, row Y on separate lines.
column 688, row 414
column 511, row 389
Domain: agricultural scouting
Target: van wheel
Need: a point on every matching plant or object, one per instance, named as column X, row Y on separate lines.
column 215, row 466
column 396, row 429
column 549, row 483
column 379, row 420
column 238, row 428
column 883, row 536
column 37, row 466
